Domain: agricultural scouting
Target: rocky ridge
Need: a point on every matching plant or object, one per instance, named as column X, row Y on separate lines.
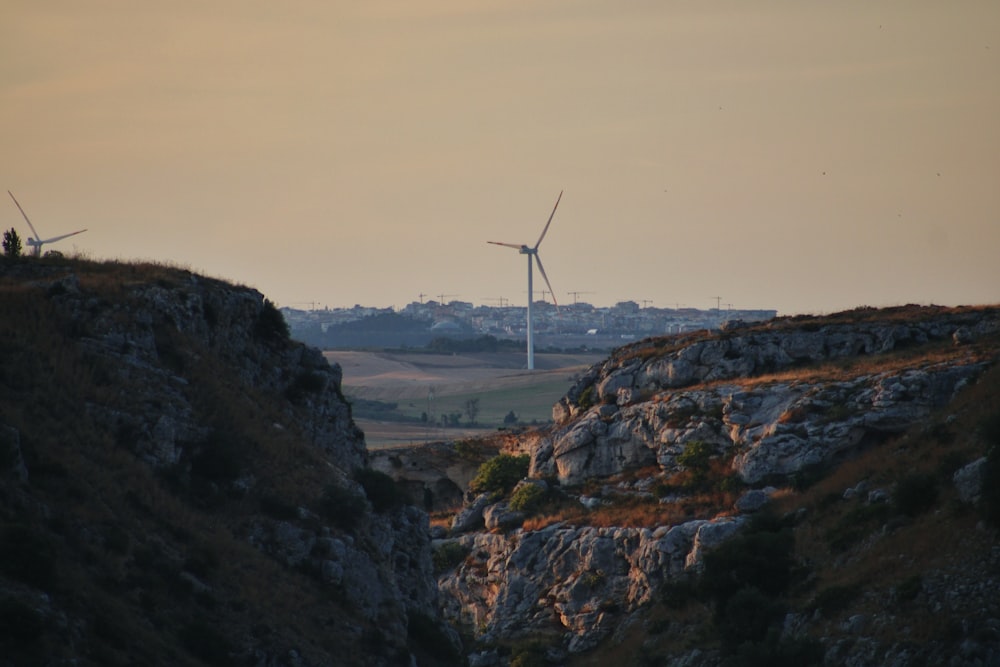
column 778, row 402
column 634, row 410
column 226, row 440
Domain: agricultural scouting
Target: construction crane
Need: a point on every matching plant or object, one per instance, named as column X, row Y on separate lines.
column 576, row 295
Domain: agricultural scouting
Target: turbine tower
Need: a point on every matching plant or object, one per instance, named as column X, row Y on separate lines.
column 37, row 241
column 533, row 252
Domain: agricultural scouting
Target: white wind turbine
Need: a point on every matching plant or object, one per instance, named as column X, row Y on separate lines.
column 533, row 252
column 37, row 241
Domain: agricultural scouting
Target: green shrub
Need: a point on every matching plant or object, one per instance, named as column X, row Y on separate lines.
column 342, row 507
column 908, row 589
column 219, row 457
column 696, row 457
column 834, row 599
column 380, row 488
column 748, row 615
column 915, row 494
column 776, row 651
column 449, row 555
column 271, row 326
column 528, row 498
column 586, row 399
column 500, row 474
column 529, row 654
column 856, row 524
column 679, row 592
column 203, row 640
column 307, row 382
column 760, row 558
column 808, row 476
column 277, row 508
column 989, row 430
column 425, row 634
column 468, row 449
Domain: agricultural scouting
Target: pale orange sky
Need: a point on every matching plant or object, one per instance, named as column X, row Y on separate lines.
column 802, row 156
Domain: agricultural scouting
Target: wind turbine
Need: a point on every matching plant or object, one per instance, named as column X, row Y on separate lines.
column 533, row 252
column 37, row 242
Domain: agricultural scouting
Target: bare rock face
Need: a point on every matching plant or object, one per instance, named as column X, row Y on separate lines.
column 632, row 411
column 583, row 580
column 142, row 336
column 968, row 480
column 775, row 429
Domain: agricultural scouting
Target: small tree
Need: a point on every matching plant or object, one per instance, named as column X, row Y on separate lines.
column 472, row 409
column 696, row 457
column 11, row 243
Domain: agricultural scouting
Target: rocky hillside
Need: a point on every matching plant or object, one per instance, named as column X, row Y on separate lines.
column 181, row 484
column 806, row 491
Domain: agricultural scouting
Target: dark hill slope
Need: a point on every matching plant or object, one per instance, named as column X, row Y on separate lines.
column 181, row 484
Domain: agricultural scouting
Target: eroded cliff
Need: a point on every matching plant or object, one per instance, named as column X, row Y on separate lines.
column 183, row 484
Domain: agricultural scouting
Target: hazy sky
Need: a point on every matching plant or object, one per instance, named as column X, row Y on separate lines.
column 799, row 155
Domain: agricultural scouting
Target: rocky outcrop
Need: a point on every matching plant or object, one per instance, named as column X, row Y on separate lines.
column 772, row 402
column 144, row 334
column 167, row 428
column 672, row 363
column 644, row 415
column 580, row 581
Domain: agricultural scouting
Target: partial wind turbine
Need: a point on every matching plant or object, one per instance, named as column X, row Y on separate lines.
column 37, row 241
column 533, row 252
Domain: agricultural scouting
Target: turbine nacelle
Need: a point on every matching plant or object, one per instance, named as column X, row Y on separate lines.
column 524, row 249
column 36, row 242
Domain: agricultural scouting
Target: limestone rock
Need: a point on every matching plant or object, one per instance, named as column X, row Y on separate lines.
column 583, row 579
column 471, row 516
column 968, row 480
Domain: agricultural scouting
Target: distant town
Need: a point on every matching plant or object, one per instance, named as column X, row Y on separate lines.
column 578, row 325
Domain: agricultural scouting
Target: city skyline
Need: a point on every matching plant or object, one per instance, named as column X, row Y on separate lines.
column 808, row 158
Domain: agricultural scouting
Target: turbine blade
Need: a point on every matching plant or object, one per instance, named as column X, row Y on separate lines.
column 60, row 238
column 542, row 270
column 516, row 246
column 551, row 215
column 24, row 214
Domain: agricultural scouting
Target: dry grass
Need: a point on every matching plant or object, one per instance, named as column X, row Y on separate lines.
column 632, row 513
column 697, row 499
column 949, row 537
column 839, row 370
